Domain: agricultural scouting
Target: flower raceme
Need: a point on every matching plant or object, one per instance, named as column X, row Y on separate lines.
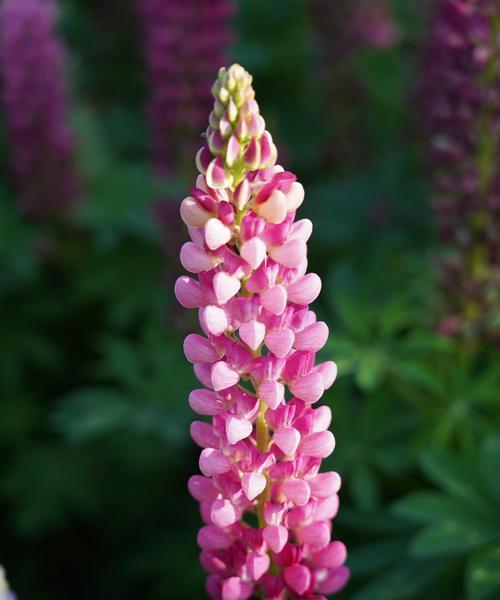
column 267, row 508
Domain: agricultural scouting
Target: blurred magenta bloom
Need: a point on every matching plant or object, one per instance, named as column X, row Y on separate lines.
column 35, row 99
column 5, row 593
column 267, row 509
column 461, row 109
column 185, row 42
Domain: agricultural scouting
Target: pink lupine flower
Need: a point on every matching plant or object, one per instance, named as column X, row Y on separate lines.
column 262, row 448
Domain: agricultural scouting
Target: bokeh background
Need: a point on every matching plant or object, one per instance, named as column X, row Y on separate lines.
column 94, row 445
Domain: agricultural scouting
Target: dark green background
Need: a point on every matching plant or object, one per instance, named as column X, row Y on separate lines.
column 94, row 445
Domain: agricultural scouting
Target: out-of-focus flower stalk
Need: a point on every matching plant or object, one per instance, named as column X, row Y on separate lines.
column 461, row 109
column 267, row 510
column 35, row 100
column 184, row 43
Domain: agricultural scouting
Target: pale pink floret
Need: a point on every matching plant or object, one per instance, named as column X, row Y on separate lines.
column 261, row 452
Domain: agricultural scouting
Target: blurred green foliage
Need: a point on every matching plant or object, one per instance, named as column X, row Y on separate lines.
column 94, row 446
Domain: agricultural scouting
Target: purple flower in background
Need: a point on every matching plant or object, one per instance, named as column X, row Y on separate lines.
column 5, row 593
column 35, row 99
column 185, row 42
column 460, row 102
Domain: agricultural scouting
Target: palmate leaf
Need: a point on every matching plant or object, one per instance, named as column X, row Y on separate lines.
column 451, row 537
column 489, row 467
column 483, row 575
column 373, row 558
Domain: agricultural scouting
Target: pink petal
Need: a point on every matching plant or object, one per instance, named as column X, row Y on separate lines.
column 242, row 194
column 254, row 251
column 318, row 445
column 225, row 287
column 298, row 578
column 216, row 233
column 252, row 154
column 203, row 434
column 305, row 290
column 276, row 536
column 222, row 513
column 290, row 254
column 334, row 581
column 216, row 176
column 274, row 300
column 252, row 333
column 213, row 319
column 232, row 150
column 322, row 418
column 273, row 393
column 202, row 488
column 308, row 388
column 274, row 209
column 312, row 338
column 327, row 508
column 214, row 462
column 223, row 376
column 211, row 537
column 199, row 349
column 328, row 372
column 237, row 429
column 330, row 557
column 253, row 484
column 325, row 484
column 189, row 293
column 295, row 196
column 203, row 372
column 316, row 534
column 235, row 588
column 193, row 214
column 280, row 342
column 301, row 230
column 257, row 564
column 297, row 491
column 287, row 440
column 206, row 403
column 194, row 258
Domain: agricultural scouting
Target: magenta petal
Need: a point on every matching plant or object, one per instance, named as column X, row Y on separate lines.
column 273, row 393
column 234, row 588
column 211, row 537
column 257, row 564
column 312, row 338
column 254, row 251
column 225, row 287
column 206, row 402
column 222, row 513
column 297, row 490
column 202, row 488
column 216, row 233
column 290, row 254
column 298, row 578
column 232, row 150
column 331, row 556
column 316, row 534
column 334, row 581
column 305, row 290
column 319, row 445
column 198, row 349
column 223, row 376
column 189, row 293
column 253, row 484
column 214, row 462
column 325, row 484
column 213, row 319
column 237, row 429
column 276, row 536
column 203, row 434
column 328, row 372
column 194, row 258
column 216, row 176
column 274, row 299
column 252, row 333
column 280, row 342
column 287, row 440
column 308, row 388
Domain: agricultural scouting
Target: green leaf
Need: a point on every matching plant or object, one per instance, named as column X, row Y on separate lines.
column 364, row 488
column 449, row 538
column 432, row 507
column 489, row 466
column 483, row 575
column 373, row 558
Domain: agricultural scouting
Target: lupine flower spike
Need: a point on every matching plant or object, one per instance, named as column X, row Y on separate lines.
column 35, row 99
column 461, row 109
column 5, row 593
column 267, row 509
